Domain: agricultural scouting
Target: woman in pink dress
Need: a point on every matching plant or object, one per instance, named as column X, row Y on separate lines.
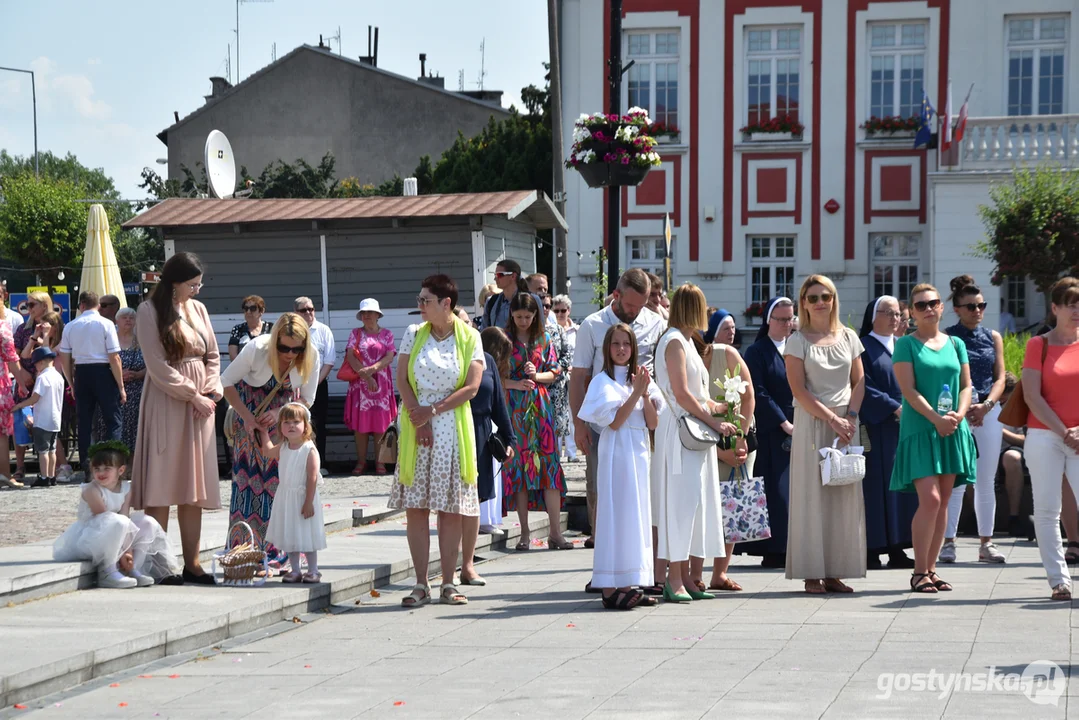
column 370, row 406
column 8, row 359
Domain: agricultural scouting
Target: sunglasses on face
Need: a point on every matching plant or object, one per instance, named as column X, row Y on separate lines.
column 500, row 274
column 251, row 308
column 304, row 311
column 424, row 301
column 561, row 311
column 546, row 307
column 974, row 306
column 31, row 304
column 289, row 349
column 923, row 305
column 822, row 298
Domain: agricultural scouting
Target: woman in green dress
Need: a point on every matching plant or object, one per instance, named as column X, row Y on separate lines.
column 936, row 449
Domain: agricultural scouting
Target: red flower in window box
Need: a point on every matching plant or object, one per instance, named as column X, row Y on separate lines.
column 890, row 125
column 778, row 124
column 755, row 310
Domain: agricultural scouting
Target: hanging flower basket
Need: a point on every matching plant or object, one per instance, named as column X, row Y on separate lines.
column 613, row 150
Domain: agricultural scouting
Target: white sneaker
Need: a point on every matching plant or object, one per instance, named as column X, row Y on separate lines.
column 63, row 474
column 143, row 580
column 947, row 552
column 988, row 553
column 116, row 581
column 492, row 530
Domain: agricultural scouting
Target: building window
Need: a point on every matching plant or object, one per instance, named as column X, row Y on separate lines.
column 774, row 67
column 771, row 268
column 896, row 69
column 895, row 264
column 652, row 82
column 1036, row 48
column 1015, row 298
column 647, row 253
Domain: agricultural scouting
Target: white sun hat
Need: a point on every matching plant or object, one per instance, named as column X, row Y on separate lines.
column 369, row 305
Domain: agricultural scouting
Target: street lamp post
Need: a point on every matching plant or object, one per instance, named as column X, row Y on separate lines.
column 33, row 92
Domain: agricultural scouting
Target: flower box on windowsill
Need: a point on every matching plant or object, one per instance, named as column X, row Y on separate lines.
column 667, row 139
column 890, row 135
column 771, row 136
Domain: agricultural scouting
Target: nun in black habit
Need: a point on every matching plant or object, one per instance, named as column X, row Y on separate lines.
column 774, row 412
column 887, row 514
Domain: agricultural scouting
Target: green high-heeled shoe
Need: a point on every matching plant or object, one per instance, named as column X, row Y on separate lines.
column 700, row 594
column 671, row 596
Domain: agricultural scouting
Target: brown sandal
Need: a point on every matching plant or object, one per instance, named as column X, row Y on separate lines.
column 560, row 544
column 727, row 584
column 815, row 587
column 1062, row 592
column 834, row 585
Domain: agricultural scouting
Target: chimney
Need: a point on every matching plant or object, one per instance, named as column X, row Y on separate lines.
column 423, row 64
column 371, row 58
column 410, row 187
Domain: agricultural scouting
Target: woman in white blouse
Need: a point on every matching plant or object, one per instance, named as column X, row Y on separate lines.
column 284, row 364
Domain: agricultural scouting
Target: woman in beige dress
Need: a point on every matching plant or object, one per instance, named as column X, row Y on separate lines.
column 175, row 460
column 826, row 536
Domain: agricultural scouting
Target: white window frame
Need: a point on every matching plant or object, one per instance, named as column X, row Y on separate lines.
column 774, row 55
column 895, row 262
column 772, row 261
column 1036, row 46
column 647, row 63
column 1014, row 292
column 654, row 250
column 897, row 52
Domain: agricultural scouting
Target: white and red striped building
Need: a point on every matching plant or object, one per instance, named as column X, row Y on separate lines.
column 751, row 218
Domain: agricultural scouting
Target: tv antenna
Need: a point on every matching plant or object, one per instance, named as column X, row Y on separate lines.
column 228, row 62
column 483, row 71
column 337, row 37
column 237, row 31
column 461, row 80
column 220, row 165
column 273, row 53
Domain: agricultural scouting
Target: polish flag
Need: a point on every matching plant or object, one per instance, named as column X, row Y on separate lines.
column 962, row 125
column 947, row 119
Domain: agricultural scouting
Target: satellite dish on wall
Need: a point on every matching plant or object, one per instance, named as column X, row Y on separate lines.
column 220, row 165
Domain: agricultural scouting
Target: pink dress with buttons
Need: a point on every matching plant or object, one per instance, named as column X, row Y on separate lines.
column 368, row 411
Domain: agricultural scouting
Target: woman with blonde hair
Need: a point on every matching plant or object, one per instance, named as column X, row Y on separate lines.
column 175, row 458
column 271, row 371
column 686, row 502
column 826, row 532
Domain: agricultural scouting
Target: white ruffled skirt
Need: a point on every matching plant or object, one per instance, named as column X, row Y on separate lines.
column 106, row 536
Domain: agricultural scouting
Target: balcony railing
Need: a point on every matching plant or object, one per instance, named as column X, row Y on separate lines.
column 993, row 143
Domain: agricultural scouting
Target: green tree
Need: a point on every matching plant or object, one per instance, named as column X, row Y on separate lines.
column 42, row 224
column 1032, row 226
column 296, row 180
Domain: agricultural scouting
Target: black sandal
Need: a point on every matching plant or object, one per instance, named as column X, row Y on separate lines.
column 1071, row 556
column 622, row 600
column 656, row 590
column 926, row 587
column 940, row 585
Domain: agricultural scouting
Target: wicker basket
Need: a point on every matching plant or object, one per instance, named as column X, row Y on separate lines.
column 241, row 565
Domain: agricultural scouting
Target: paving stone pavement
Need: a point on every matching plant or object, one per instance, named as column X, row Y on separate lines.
column 532, row 644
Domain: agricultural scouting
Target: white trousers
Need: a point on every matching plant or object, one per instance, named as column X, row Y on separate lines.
column 491, row 510
column 989, row 439
column 1047, row 459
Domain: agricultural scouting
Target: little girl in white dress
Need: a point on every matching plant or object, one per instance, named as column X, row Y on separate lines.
column 128, row 551
column 296, row 524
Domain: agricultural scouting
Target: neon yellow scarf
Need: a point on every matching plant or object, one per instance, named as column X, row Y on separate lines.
column 465, row 339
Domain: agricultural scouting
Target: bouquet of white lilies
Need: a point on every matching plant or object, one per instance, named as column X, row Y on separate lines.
column 732, row 386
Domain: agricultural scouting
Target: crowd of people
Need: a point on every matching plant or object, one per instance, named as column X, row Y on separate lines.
column 658, row 395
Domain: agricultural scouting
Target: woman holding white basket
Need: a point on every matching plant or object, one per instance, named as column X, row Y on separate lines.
column 826, row 534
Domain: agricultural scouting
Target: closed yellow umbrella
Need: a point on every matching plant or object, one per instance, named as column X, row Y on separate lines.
column 100, row 273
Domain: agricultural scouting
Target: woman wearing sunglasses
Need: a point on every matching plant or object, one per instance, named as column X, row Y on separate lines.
column 175, row 454
column 253, row 325
column 985, row 350
column 826, row 532
column 272, row 370
column 936, row 450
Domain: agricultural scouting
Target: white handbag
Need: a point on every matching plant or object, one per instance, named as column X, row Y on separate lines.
column 695, row 435
column 841, row 466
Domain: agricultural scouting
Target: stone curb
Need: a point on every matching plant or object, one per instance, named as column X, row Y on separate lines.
column 64, row 673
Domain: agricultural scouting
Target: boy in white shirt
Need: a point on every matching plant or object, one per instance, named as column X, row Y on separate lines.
column 47, row 400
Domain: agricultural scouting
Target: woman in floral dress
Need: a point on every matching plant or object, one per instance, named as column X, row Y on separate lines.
column 8, row 358
column 368, row 412
column 533, row 476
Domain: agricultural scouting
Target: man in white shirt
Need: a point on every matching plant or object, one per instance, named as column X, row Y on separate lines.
column 90, row 340
column 322, row 340
column 627, row 306
column 108, row 306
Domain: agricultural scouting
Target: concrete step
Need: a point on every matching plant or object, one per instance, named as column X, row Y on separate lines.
column 61, row 641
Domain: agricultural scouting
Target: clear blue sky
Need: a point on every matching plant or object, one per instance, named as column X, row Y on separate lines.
column 109, row 75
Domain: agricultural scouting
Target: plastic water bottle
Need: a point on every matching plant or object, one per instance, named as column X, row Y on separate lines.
column 944, row 402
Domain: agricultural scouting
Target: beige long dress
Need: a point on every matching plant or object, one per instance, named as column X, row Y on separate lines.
column 175, row 461
column 826, row 534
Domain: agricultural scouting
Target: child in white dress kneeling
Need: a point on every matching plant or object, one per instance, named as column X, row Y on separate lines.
column 296, row 525
column 623, row 404
column 128, row 549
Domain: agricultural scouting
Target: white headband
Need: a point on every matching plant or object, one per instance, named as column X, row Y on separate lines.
column 876, row 305
column 306, row 412
column 772, row 307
